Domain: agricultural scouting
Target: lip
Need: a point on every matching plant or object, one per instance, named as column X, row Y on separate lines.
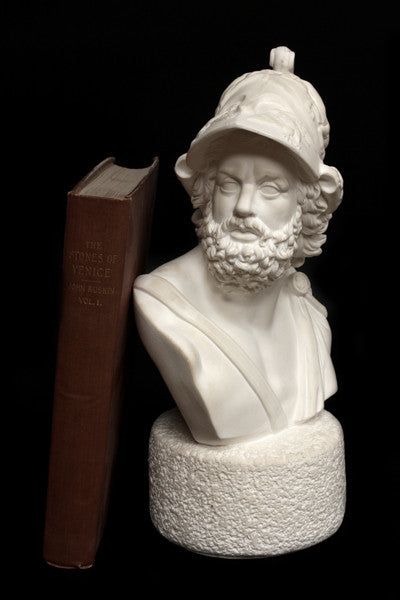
column 243, row 236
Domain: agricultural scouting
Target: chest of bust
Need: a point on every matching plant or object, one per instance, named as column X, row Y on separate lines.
column 272, row 346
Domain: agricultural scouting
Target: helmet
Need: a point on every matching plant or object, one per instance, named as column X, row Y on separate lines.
column 275, row 104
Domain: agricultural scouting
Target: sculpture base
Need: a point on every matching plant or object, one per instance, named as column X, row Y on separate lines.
column 255, row 499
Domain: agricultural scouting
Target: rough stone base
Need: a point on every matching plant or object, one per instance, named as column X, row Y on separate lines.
column 276, row 495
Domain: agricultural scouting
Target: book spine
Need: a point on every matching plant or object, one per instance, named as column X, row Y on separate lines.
column 86, row 391
column 105, row 248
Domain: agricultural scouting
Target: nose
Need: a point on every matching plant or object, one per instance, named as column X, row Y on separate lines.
column 244, row 204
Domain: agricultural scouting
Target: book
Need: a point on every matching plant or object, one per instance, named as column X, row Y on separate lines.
column 106, row 243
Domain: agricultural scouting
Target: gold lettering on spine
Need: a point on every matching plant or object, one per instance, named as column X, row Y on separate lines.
column 89, row 301
column 91, row 271
column 91, row 268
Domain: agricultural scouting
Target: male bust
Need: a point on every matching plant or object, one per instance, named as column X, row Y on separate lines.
column 232, row 326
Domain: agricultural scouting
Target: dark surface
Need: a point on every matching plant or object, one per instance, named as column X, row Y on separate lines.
column 138, row 79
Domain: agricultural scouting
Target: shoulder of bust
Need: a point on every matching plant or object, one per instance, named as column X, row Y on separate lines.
column 299, row 284
column 184, row 272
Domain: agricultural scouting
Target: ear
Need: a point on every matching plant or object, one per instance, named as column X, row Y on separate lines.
column 331, row 183
column 185, row 174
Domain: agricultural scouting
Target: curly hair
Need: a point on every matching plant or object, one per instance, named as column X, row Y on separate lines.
column 315, row 216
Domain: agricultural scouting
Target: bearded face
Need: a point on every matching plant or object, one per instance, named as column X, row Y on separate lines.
column 250, row 225
column 247, row 265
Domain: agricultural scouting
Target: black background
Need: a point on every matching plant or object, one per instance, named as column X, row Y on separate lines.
column 139, row 79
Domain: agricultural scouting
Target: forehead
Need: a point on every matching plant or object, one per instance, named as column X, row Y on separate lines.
column 245, row 165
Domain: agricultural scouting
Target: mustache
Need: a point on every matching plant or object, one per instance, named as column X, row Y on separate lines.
column 245, row 225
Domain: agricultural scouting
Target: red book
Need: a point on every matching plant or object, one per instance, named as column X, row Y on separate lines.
column 106, row 241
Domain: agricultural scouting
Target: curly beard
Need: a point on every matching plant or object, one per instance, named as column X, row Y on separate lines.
column 248, row 266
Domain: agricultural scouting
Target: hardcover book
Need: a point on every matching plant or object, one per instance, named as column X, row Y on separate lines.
column 106, row 241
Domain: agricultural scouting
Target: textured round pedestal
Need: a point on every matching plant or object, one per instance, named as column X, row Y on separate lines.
column 261, row 498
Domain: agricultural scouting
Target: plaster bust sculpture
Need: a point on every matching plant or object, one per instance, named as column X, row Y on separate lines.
column 233, row 327
column 251, row 464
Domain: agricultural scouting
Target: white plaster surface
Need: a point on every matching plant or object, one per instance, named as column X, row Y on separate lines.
column 234, row 329
column 262, row 498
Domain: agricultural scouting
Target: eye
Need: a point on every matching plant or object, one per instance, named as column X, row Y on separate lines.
column 269, row 190
column 228, row 186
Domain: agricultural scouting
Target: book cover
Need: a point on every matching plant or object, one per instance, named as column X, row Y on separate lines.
column 106, row 241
